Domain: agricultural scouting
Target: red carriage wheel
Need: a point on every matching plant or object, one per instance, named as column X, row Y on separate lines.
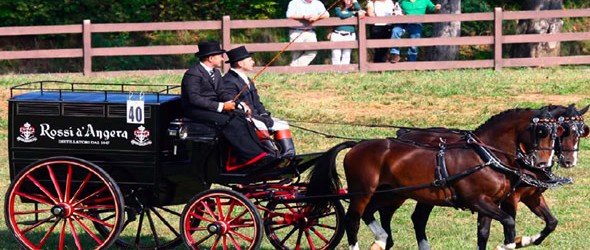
column 221, row 219
column 290, row 226
column 52, row 204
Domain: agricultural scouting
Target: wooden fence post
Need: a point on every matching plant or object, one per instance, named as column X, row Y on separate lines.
column 498, row 16
column 87, row 43
column 362, row 44
column 226, row 34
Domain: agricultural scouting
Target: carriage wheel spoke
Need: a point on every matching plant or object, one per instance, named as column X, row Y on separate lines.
column 288, row 235
column 81, row 187
column 37, row 199
column 139, row 226
column 309, row 240
column 216, row 242
column 319, row 234
column 239, row 216
column 55, row 183
column 326, row 226
column 173, row 229
column 31, row 212
column 249, row 239
column 298, row 243
column 104, row 223
column 46, row 236
column 62, row 235
column 68, row 183
column 43, row 189
column 236, row 244
column 153, row 227
column 38, row 224
column 91, row 195
column 74, row 234
column 219, row 208
column 88, row 231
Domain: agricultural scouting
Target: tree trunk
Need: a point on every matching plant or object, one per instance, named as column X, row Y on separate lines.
column 448, row 29
column 538, row 26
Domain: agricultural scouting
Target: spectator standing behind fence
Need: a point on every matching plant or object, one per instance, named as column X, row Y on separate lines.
column 346, row 9
column 307, row 12
column 380, row 8
column 411, row 7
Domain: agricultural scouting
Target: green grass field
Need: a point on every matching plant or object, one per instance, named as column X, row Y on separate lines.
column 456, row 99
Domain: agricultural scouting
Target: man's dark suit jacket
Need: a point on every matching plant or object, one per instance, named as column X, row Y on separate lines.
column 198, row 90
column 233, row 84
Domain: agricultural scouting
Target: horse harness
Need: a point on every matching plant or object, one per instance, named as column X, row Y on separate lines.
column 443, row 180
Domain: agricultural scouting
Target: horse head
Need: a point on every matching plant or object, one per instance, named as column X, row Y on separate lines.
column 535, row 131
column 567, row 145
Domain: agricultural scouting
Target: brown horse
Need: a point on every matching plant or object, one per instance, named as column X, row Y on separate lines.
column 481, row 169
column 566, row 151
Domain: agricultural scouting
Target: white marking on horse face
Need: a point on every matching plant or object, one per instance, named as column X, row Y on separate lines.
column 575, row 162
column 550, row 161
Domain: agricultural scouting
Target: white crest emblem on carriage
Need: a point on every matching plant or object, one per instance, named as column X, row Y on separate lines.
column 142, row 137
column 27, row 133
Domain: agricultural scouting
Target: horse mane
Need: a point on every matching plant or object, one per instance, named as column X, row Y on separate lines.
column 494, row 119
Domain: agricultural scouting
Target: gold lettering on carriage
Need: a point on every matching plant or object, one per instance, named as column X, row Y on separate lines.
column 87, row 131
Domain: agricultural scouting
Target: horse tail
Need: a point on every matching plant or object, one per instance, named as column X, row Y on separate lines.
column 324, row 179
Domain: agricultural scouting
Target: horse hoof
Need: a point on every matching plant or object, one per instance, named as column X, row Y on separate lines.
column 510, row 246
column 519, row 242
column 376, row 246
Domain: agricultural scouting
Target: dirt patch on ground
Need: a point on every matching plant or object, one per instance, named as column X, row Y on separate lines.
column 551, row 99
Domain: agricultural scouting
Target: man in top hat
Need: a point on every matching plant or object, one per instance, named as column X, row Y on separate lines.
column 200, row 100
column 237, row 84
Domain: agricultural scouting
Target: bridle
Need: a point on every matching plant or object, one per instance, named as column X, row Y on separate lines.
column 539, row 128
column 571, row 124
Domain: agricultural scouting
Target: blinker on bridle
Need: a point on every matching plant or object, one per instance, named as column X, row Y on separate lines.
column 539, row 128
column 568, row 123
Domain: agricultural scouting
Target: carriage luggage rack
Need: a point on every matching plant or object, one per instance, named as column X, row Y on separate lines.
column 105, row 88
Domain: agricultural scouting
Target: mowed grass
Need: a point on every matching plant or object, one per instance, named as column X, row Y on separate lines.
column 456, row 99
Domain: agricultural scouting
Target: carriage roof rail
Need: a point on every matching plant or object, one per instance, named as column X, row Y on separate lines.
column 63, row 86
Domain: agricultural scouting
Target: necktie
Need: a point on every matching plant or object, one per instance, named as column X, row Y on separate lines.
column 212, row 74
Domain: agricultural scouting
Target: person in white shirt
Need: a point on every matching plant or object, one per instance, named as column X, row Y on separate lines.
column 380, row 8
column 307, row 12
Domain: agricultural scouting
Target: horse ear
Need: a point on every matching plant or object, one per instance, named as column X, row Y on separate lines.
column 584, row 110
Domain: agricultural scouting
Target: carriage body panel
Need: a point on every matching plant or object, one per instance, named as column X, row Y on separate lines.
column 92, row 125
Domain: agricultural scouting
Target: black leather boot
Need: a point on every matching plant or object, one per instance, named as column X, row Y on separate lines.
column 286, row 147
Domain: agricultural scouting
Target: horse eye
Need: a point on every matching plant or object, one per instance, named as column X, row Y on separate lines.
column 586, row 131
column 542, row 132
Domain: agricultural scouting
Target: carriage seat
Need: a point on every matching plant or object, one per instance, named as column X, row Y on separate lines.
column 192, row 130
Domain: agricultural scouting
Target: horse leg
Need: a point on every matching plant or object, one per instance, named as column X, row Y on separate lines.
column 386, row 207
column 538, row 206
column 386, row 215
column 352, row 219
column 420, row 219
column 492, row 210
column 483, row 231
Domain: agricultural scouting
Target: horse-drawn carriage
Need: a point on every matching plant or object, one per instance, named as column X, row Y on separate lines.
column 96, row 164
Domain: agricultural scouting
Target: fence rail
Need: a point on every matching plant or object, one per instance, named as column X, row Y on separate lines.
column 226, row 25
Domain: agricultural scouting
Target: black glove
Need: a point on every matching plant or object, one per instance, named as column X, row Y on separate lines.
column 266, row 119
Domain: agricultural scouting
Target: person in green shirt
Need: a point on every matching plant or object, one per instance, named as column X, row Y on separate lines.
column 411, row 7
column 346, row 9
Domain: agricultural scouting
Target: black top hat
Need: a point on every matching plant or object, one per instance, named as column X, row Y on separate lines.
column 209, row 49
column 238, row 54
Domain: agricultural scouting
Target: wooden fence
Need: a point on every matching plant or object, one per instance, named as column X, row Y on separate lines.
column 226, row 25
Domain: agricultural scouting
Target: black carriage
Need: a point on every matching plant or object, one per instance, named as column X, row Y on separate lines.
column 96, row 164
